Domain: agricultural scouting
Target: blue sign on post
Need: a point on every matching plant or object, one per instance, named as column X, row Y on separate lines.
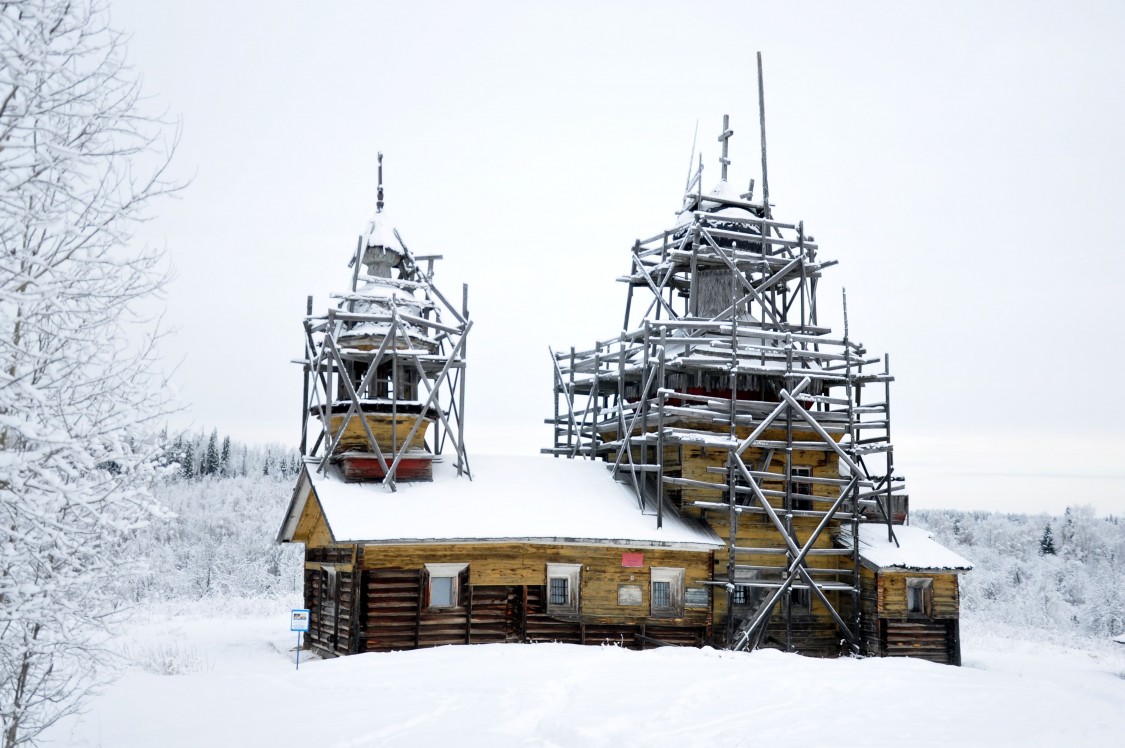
column 299, row 622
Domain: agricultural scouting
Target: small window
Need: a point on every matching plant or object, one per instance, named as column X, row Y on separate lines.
column 559, row 591
column 740, row 596
column 920, row 596
column 697, row 597
column 563, row 587
column 444, row 588
column 666, row 596
column 800, row 599
column 802, row 492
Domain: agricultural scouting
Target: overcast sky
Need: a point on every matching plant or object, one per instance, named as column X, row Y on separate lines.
column 962, row 161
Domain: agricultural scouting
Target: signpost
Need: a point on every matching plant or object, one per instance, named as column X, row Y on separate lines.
column 299, row 622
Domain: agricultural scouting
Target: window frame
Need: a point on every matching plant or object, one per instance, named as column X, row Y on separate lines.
column 800, row 598
column 449, row 571
column 572, row 573
column 704, row 604
column 674, row 577
column 801, row 492
column 925, row 597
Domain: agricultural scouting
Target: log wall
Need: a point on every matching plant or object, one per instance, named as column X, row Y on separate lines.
column 332, row 597
column 889, row 630
column 396, row 617
column 525, row 565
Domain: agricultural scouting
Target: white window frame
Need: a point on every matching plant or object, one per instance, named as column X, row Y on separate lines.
column 925, row 585
column 675, row 579
column 572, row 573
column 444, row 571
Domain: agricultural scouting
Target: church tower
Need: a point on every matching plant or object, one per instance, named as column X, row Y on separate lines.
column 385, row 368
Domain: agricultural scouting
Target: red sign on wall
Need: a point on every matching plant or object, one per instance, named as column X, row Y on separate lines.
column 632, row 559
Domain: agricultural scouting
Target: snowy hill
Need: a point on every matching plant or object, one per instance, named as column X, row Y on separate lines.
column 234, row 683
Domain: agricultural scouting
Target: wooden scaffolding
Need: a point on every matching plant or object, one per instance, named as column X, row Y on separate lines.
column 384, row 390
column 721, row 383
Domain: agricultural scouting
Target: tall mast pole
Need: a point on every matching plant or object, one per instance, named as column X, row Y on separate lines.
column 762, row 124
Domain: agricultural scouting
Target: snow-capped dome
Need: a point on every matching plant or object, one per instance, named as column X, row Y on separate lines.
column 725, row 191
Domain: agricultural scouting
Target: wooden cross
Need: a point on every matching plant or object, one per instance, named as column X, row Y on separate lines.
column 727, row 132
column 379, row 194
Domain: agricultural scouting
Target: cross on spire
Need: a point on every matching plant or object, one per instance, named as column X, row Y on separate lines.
column 724, row 138
column 379, row 194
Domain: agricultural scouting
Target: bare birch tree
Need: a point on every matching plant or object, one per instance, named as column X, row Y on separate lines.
column 79, row 165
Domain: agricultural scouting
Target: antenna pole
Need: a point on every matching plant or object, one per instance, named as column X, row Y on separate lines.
column 762, row 123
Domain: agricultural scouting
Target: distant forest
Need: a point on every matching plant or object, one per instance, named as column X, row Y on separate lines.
column 224, row 501
column 1063, row 574
column 194, row 456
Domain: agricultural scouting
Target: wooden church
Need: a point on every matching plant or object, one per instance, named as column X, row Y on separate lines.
column 731, row 480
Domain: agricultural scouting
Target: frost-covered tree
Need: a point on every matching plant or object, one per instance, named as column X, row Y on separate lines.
column 1077, row 590
column 79, row 396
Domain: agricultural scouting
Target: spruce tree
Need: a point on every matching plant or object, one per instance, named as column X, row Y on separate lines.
column 1047, row 543
column 224, row 458
column 187, row 461
column 210, row 464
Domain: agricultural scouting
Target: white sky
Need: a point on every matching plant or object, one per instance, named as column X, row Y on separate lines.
column 962, row 161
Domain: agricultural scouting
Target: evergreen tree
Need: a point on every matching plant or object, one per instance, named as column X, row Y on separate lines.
column 224, row 458
column 186, row 460
column 1047, row 543
column 211, row 461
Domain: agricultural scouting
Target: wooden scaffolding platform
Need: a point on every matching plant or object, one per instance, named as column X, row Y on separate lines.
column 724, row 398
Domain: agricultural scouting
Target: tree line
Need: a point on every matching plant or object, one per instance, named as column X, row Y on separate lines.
column 196, row 456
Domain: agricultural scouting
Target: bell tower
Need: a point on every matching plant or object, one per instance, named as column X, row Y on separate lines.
column 385, row 367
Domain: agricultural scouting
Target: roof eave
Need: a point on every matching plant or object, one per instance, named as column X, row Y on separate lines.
column 700, row 547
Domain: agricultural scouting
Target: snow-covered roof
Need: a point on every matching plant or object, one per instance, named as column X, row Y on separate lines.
column 1120, row 639
column 532, row 498
column 916, row 549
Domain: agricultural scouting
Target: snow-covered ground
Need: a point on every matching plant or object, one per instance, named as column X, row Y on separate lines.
column 210, row 678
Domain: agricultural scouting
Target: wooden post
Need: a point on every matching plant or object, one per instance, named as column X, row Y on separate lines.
column 462, row 457
column 305, row 404
column 469, row 617
column 355, row 271
column 422, row 580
